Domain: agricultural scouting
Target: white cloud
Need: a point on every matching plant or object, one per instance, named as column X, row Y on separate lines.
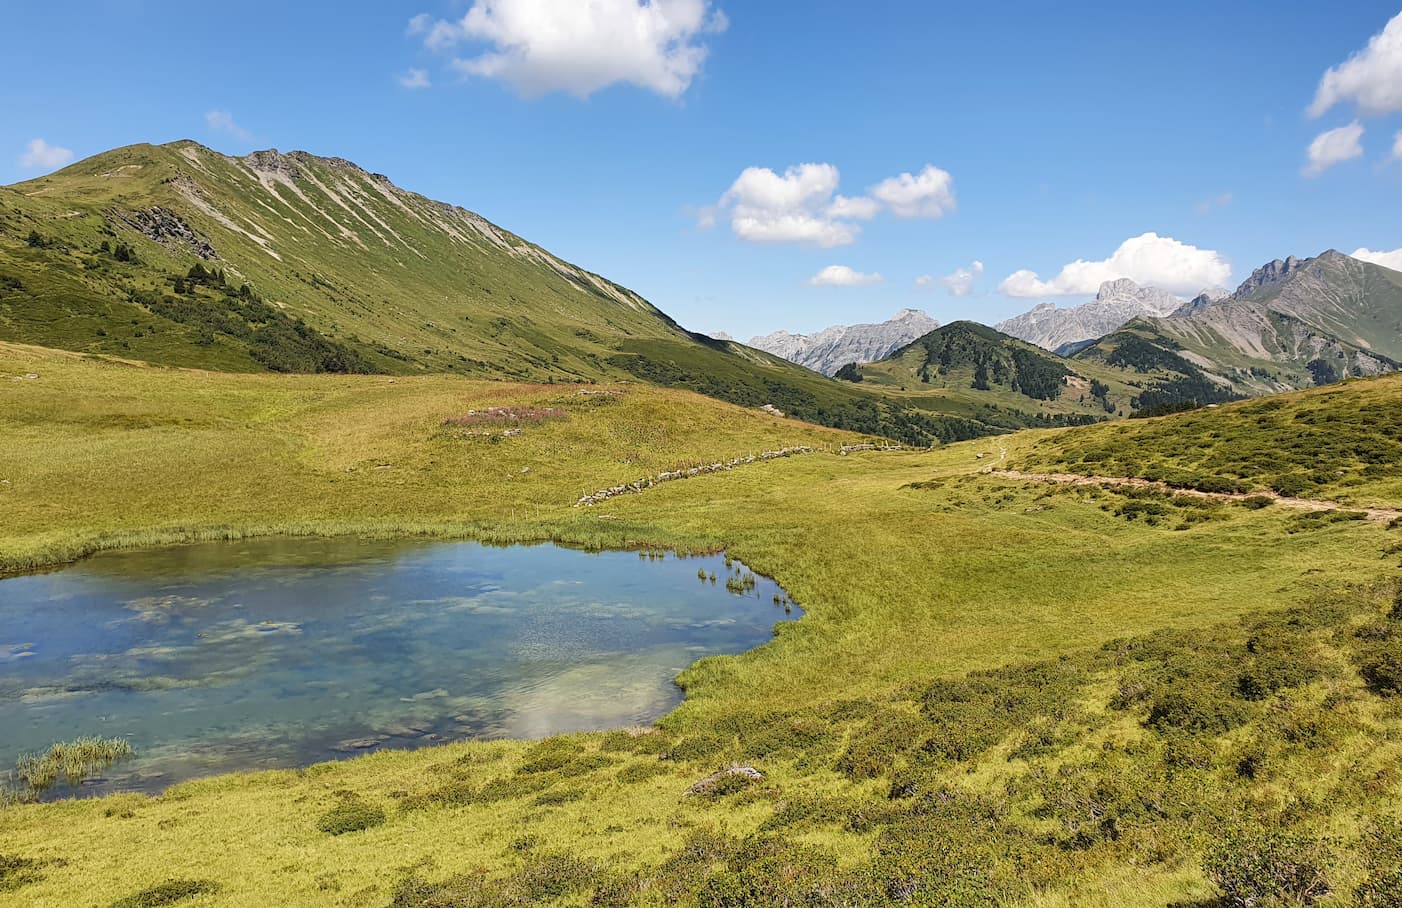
column 540, row 46
column 1334, row 147
column 1391, row 259
column 223, row 121
column 842, row 276
column 860, row 208
column 415, row 78
column 960, row 283
column 928, row 195
column 802, row 204
column 40, row 155
column 1207, row 206
column 1371, row 78
column 797, row 207
column 1397, row 146
column 1149, row 260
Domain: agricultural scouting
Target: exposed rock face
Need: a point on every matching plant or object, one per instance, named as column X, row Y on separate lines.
column 169, row 229
column 1271, row 273
column 1330, row 307
column 832, row 348
column 1117, row 303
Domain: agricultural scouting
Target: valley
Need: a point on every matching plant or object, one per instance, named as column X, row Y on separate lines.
column 353, row 525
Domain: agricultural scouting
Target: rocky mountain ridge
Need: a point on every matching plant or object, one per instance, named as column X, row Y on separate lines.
column 1117, row 303
column 832, row 348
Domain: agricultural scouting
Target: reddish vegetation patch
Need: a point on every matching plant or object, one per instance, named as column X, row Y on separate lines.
column 496, row 416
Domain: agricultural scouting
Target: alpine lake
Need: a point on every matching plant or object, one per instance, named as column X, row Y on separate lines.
column 283, row 652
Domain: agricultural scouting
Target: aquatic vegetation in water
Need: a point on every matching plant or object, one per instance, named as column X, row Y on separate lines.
column 71, row 761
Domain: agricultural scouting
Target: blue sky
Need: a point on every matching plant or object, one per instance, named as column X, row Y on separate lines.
column 1034, row 135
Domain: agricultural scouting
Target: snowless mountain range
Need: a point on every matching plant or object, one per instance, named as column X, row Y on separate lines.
column 832, row 348
column 1118, row 303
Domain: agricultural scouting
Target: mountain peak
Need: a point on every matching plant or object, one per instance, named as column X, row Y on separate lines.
column 832, row 348
column 1119, row 287
column 1270, row 273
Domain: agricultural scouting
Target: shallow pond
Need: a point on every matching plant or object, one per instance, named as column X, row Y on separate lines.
column 280, row 653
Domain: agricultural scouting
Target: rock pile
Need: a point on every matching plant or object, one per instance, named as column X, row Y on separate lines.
column 644, row 484
column 852, row 449
column 168, row 228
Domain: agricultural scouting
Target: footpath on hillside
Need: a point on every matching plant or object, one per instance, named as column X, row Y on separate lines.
column 1384, row 515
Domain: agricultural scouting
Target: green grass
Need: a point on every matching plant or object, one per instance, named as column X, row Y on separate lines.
column 1000, row 692
column 1342, row 442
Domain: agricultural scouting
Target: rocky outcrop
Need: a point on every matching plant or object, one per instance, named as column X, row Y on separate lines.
column 1118, row 303
column 832, row 348
column 169, row 229
column 1271, row 273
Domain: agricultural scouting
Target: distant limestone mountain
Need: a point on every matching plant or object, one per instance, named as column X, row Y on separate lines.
column 1294, row 323
column 832, row 348
column 1117, row 303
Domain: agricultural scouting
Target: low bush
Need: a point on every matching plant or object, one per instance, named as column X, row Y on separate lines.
column 1252, row 868
column 351, row 815
column 1382, row 857
column 170, row 892
column 1381, row 667
column 16, row 871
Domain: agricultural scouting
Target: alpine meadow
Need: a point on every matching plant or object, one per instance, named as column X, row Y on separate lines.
column 356, row 550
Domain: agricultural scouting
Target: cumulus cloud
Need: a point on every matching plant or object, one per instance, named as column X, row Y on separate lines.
column 801, row 205
column 798, row 206
column 1391, row 259
column 930, row 194
column 1371, row 79
column 1334, row 147
column 540, row 46
column 40, row 155
column 1149, row 260
column 415, row 78
column 842, row 276
column 223, row 121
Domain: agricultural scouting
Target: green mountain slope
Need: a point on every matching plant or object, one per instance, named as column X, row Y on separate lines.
column 408, row 283
column 978, row 366
column 179, row 255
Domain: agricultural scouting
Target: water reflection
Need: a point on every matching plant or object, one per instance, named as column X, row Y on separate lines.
column 277, row 653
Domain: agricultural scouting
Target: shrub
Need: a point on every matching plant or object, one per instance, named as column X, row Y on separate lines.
column 773, row 871
column 1382, row 853
column 1195, row 708
column 16, row 871
column 351, row 815
column 874, row 747
column 1381, row 667
column 1254, row 869
column 553, row 876
column 167, row 893
column 696, row 747
column 550, row 755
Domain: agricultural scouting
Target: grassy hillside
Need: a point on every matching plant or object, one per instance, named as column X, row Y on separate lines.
column 1343, row 443
column 431, row 286
column 1000, row 693
column 179, row 255
column 968, row 365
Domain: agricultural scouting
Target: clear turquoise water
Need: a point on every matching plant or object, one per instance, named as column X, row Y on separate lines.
column 282, row 653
